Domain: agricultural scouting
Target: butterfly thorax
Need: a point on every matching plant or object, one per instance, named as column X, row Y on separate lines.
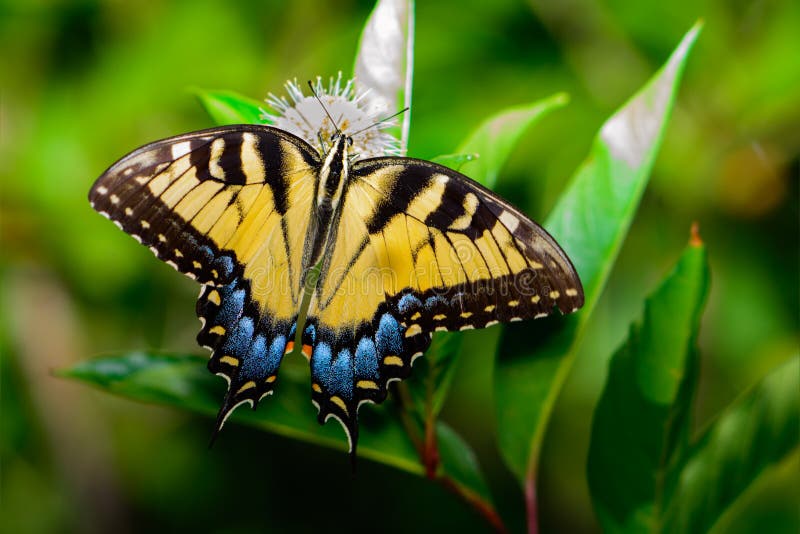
column 330, row 188
column 333, row 175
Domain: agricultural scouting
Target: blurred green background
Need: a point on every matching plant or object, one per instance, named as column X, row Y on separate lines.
column 85, row 82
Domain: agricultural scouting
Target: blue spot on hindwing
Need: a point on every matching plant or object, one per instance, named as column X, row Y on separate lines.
column 239, row 340
column 224, row 266
column 408, row 303
column 310, row 334
column 366, row 359
column 432, row 302
column 275, row 355
column 387, row 338
column 342, row 375
column 320, row 363
column 231, row 307
column 226, row 290
column 254, row 365
column 334, row 374
column 206, row 253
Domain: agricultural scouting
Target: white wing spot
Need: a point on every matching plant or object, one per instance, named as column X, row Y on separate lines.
column 114, row 199
column 102, row 190
column 137, row 238
column 145, row 224
column 128, row 212
column 554, row 295
column 572, row 292
column 181, row 149
column 491, row 323
column 539, row 315
column 466, row 327
column 509, row 221
column 535, row 299
column 162, row 238
column 515, row 319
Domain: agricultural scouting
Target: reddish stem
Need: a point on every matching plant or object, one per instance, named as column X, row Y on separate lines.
column 531, row 508
column 430, row 451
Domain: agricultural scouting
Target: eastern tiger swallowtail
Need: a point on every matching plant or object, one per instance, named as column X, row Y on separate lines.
column 403, row 248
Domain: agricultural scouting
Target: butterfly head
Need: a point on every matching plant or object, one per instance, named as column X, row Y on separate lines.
column 343, row 138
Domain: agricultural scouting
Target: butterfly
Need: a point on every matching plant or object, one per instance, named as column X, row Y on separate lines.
column 390, row 250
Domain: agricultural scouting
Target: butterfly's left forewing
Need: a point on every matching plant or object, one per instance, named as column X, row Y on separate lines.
column 420, row 248
column 229, row 207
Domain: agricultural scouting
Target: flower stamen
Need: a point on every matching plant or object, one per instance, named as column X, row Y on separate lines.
column 303, row 116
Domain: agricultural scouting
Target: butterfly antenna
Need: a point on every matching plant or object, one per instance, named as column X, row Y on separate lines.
column 374, row 124
column 314, row 92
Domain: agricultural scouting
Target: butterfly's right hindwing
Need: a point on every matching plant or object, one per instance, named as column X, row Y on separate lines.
column 229, row 207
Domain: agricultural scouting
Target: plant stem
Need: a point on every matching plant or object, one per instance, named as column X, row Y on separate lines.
column 531, row 508
column 430, row 451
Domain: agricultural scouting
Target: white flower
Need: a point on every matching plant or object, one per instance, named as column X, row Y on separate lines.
column 303, row 116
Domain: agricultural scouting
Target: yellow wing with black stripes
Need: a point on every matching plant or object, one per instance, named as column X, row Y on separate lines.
column 229, row 207
column 419, row 248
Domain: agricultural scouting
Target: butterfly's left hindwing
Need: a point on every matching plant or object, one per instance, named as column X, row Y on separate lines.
column 229, row 207
column 421, row 248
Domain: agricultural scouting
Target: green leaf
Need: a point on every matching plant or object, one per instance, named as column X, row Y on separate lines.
column 642, row 418
column 749, row 441
column 229, row 107
column 184, row 382
column 460, row 471
column 460, row 464
column 590, row 222
column 495, row 137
